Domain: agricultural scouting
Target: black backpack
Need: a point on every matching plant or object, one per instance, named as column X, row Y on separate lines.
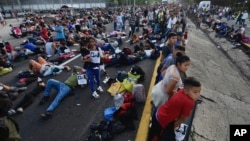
column 138, row 70
column 121, row 75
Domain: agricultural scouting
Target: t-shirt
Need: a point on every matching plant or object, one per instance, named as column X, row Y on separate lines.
column 49, row 49
column 60, row 32
column 72, row 81
column 172, row 73
column 166, row 50
column 30, row 46
column 86, row 53
column 169, row 60
column 179, row 104
column 9, row 48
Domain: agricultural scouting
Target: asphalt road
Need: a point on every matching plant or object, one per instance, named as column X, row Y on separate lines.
column 217, row 63
column 72, row 118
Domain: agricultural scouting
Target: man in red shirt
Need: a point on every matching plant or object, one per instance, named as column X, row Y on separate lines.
column 175, row 111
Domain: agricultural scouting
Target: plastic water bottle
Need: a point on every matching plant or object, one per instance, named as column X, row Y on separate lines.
column 118, row 100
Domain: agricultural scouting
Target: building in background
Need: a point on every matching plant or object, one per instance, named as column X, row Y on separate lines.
column 48, row 4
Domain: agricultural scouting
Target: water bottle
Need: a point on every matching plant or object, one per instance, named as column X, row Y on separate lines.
column 118, row 100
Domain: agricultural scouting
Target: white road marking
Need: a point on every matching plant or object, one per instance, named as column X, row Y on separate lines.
column 70, row 60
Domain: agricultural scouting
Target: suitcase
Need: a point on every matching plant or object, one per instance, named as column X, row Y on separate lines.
column 139, row 93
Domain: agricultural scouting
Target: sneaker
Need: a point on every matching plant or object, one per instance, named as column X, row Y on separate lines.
column 44, row 100
column 95, row 94
column 100, row 89
column 20, row 110
column 11, row 112
column 47, row 115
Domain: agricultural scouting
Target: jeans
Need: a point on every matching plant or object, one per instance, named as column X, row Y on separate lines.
column 108, row 47
column 93, row 74
column 115, row 26
column 156, row 28
column 90, row 24
column 62, row 91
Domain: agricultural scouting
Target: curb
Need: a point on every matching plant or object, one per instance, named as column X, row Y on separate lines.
column 142, row 132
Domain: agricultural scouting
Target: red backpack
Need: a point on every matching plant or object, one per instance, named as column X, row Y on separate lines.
column 129, row 98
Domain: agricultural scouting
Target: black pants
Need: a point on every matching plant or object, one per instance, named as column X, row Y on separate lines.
column 156, row 130
column 29, row 97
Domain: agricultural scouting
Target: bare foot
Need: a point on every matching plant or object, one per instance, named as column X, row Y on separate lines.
column 67, row 68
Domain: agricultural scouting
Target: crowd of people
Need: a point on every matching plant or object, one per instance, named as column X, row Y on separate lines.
column 226, row 22
column 145, row 28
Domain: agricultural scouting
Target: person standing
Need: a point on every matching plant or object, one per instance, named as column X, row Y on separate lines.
column 238, row 18
column 150, row 17
column 60, row 36
column 132, row 25
column 244, row 17
column 91, row 58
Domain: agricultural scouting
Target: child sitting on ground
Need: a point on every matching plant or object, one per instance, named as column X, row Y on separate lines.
column 175, row 111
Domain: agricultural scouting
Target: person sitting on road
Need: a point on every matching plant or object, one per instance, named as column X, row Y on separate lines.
column 180, row 40
column 5, row 66
column 44, row 32
column 63, row 89
column 62, row 48
column 169, row 116
column 15, row 31
column 46, row 68
column 245, row 39
column 135, row 38
column 3, row 51
column 50, row 48
column 10, row 51
column 31, row 48
column 222, row 31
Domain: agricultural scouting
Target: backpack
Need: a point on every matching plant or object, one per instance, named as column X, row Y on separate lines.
column 100, row 132
column 9, row 130
column 139, row 93
column 136, row 70
column 94, row 136
column 121, row 75
column 128, row 98
column 24, row 74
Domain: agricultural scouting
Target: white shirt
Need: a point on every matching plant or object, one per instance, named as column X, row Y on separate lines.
column 171, row 22
column 49, row 49
column 244, row 15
